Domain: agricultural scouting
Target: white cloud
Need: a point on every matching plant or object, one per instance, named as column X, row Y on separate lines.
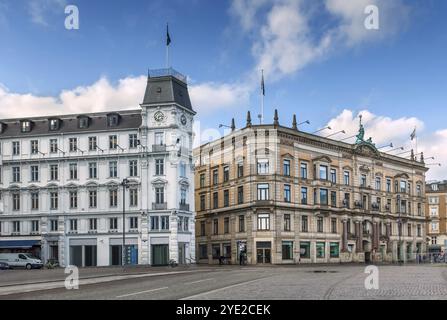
column 210, row 96
column 384, row 130
column 40, row 9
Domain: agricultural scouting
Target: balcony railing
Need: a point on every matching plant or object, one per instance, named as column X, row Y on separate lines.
column 158, row 148
column 184, row 206
column 159, row 206
column 154, row 73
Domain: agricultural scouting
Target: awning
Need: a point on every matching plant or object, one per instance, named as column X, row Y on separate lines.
column 18, row 244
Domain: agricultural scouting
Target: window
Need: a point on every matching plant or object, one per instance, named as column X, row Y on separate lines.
column 215, row 251
column 403, row 187
column 34, row 201
column 303, row 195
column 73, row 168
column 159, row 167
column 73, row 225
column 334, row 199
column 183, row 195
column 320, row 224
column 202, row 180
column 15, row 174
column 347, row 200
column 378, row 184
column 113, row 198
column 263, row 191
column 286, row 167
column 113, row 169
column 215, row 176
column 92, row 143
column 159, row 138
column 112, row 120
column 304, row 170
column 54, row 225
column 133, row 195
column 240, row 170
column 93, row 198
column 241, row 223
column 334, row 250
column 15, row 148
column 113, row 223
column 215, row 226
column 419, row 230
column 133, row 141
column 419, row 209
column 409, row 230
column 305, row 250
column 434, row 187
column 323, row 172
column 263, row 166
column 93, row 170
column 334, row 225
column 240, row 195
column 16, row 226
column 113, row 142
column 73, row 199
column 203, row 251
column 287, row 222
column 418, row 190
column 133, row 223
column 215, row 200
column 73, row 144
column 155, row 222
column 34, row 147
column 333, row 176
column 434, row 226
column 159, row 195
column 34, row 173
column 320, row 246
column 202, row 202
column 324, row 197
column 164, row 222
column 54, row 124
column 83, row 122
column 202, row 228
column 263, row 221
column 54, row 172
column 226, row 198
column 388, row 185
column 53, row 146
column 93, row 224
column 346, row 178
column 133, row 168
column 25, row 126
column 226, row 174
column 16, row 201
column 182, row 169
column 35, row 226
column 226, row 225
column 287, row 250
column 185, row 224
column 363, row 180
column 304, row 224
column 54, row 200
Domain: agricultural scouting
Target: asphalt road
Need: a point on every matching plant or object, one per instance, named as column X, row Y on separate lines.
column 236, row 283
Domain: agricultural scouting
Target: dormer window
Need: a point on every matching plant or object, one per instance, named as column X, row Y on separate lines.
column 83, row 122
column 54, row 124
column 25, row 126
column 112, row 120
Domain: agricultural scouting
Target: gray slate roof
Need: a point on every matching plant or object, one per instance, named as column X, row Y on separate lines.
column 167, row 89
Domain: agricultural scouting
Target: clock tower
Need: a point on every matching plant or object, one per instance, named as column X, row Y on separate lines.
column 166, row 138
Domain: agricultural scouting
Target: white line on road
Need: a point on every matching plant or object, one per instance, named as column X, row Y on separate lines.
column 221, row 289
column 141, row 292
column 198, row 281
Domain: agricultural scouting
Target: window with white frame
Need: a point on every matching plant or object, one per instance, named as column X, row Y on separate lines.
column 159, row 167
column 263, row 221
column 92, row 143
column 73, row 168
column 263, row 191
column 133, row 168
column 263, row 166
column 93, row 170
column 133, row 223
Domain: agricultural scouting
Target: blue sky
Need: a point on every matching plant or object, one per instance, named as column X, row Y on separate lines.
column 396, row 73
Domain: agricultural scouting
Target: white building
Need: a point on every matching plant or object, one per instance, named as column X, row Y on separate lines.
column 61, row 182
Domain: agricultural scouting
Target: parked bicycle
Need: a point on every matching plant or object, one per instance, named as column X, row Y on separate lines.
column 173, row 263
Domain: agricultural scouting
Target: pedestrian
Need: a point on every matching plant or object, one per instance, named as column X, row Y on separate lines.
column 241, row 258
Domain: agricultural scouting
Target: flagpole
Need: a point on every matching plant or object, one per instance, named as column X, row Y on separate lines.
column 167, row 57
column 262, row 97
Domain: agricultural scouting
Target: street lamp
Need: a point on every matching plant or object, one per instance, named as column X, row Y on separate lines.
column 333, row 134
column 400, row 148
column 387, row 146
column 125, row 185
column 319, row 130
column 304, row 122
column 348, row 138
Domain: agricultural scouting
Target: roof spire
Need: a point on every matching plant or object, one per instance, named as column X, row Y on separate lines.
column 248, row 119
column 294, row 123
column 276, row 119
column 233, row 125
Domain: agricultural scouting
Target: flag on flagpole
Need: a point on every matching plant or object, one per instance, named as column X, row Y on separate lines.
column 413, row 134
column 168, row 37
column 263, row 84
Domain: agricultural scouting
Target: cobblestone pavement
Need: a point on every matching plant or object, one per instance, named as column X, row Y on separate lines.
column 275, row 282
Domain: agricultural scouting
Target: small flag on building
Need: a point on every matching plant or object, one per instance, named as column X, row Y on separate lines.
column 413, row 134
column 168, row 37
column 263, row 84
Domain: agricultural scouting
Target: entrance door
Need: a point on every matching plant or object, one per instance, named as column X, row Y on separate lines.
column 182, row 253
column 160, row 255
column 115, row 256
column 76, row 256
column 263, row 252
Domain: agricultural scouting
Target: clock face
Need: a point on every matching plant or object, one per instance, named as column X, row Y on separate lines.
column 159, row 116
column 183, row 119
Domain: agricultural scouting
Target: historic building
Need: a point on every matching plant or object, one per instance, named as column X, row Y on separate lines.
column 67, row 182
column 279, row 195
column 436, row 212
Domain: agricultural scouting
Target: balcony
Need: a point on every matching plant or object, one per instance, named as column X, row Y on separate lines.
column 158, row 148
column 184, row 206
column 159, row 206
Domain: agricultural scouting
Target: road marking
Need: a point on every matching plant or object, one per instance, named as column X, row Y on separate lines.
column 141, row 292
column 221, row 289
column 198, row 281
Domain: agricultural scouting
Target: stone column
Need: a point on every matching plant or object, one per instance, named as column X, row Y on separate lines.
column 358, row 233
column 345, row 236
column 388, row 234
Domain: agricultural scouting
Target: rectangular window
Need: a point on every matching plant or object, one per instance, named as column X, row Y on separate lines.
column 53, row 146
column 203, row 251
column 334, row 250
column 73, row 167
column 34, row 201
column 159, row 138
column 133, row 168
column 113, row 198
column 287, row 222
column 35, row 226
column 15, row 174
column 263, row 192
column 287, row 193
column 202, row 228
column 34, row 173
column 113, row 223
column 303, row 195
column 263, row 166
column 73, row 144
column 241, row 223
column 202, row 202
column 320, row 246
column 155, row 223
column 133, row 195
column 304, row 224
column 346, row 178
column 54, row 172
column 240, row 195
column 54, row 225
column 226, row 174
column 323, row 172
column 215, row 176
column 164, row 222
column 303, row 170
column 93, row 198
column 286, row 167
column 215, row 200
column 73, row 199
column 215, row 226
column 16, row 148
column 388, row 185
column 92, row 143
column 363, row 180
column 93, row 224
column 333, row 176
column 159, row 167
column 263, row 221
column 305, row 250
column 54, row 200
column 403, row 187
column 16, row 226
column 133, row 223
column 226, row 198
column 159, row 195
column 324, row 197
column 378, row 184
column 73, row 225
column 240, row 170
column 287, row 250
column 226, row 225
column 93, row 170
column 16, row 201
column 334, row 199
column 334, row 225
column 113, row 169
column 320, row 224
column 113, row 142
column 34, row 147
column 133, row 141
column 202, row 180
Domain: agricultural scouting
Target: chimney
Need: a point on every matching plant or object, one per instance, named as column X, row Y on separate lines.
column 248, row 119
column 294, row 123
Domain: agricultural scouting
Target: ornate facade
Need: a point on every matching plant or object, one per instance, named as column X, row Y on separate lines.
column 274, row 194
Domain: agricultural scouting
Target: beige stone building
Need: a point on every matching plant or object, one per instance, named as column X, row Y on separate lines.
column 436, row 212
column 277, row 195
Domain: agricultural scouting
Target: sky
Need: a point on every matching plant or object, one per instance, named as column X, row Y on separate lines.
column 320, row 62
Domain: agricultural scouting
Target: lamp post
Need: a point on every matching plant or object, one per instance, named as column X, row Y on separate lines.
column 333, row 134
column 319, row 130
column 304, row 122
column 123, row 251
column 399, row 231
